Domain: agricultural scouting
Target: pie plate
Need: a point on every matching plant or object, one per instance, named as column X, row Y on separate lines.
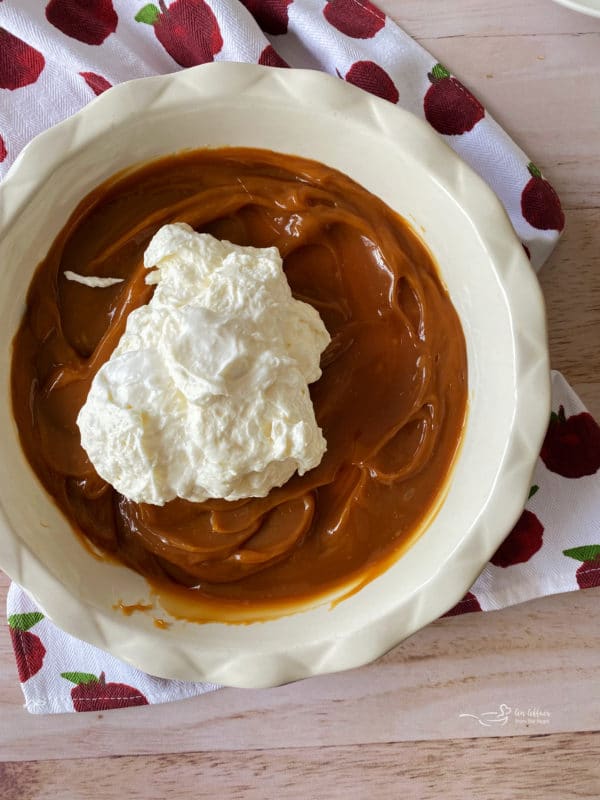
column 403, row 161
column 589, row 7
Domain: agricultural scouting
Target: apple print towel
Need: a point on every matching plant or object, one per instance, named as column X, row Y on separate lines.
column 57, row 55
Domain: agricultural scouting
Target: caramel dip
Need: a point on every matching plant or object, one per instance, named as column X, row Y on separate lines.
column 391, row 401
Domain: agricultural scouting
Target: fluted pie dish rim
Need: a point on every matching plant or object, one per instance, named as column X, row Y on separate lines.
column 402, row 160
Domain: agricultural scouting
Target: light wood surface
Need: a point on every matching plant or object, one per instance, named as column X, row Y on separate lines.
column 464, row 769
column 394, row 728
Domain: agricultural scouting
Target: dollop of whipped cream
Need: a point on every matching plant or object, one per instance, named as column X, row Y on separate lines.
column 206, row 394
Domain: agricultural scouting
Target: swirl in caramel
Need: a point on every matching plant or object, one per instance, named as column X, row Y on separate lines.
column 391, row 401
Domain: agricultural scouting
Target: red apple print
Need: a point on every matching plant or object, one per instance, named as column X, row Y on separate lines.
column 372, row 78
column 94, row 694
column 271, row 58
column 449, row 107
column 361, row 20
column 3, row 150
column 20, row 64
column 468, row 604
column 88, row 21
column 97, row 83
column 572, row 445
column 588, row 574
column 540, row 204
column 187, row 29
column 29, row 650
column 271, row 15
column 522, row 542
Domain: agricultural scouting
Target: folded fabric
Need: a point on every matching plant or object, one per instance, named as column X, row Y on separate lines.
column 56, row 56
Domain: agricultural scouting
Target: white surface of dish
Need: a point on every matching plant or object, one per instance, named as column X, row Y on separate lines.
column 493, row 288
column 206, row 393
column 589, row 7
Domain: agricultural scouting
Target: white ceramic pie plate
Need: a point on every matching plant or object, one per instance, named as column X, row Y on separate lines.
column 589, row 7
column 402, row 160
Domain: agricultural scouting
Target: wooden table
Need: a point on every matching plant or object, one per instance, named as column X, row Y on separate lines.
column 394, row 728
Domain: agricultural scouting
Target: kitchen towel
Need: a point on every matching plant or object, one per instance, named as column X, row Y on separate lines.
column 56, row 56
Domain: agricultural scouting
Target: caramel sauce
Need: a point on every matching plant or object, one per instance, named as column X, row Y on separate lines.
column 391, row 401
column 128, row 609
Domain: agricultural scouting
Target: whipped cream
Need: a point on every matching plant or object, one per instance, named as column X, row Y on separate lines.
column 90, row 280
column 206, row 394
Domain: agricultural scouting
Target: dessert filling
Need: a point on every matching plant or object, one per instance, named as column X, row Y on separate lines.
column 390, row 401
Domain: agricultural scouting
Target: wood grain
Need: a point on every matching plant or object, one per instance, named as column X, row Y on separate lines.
column 571, row 284
column 495, row 769
column 508, row 19
column 535, row 65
